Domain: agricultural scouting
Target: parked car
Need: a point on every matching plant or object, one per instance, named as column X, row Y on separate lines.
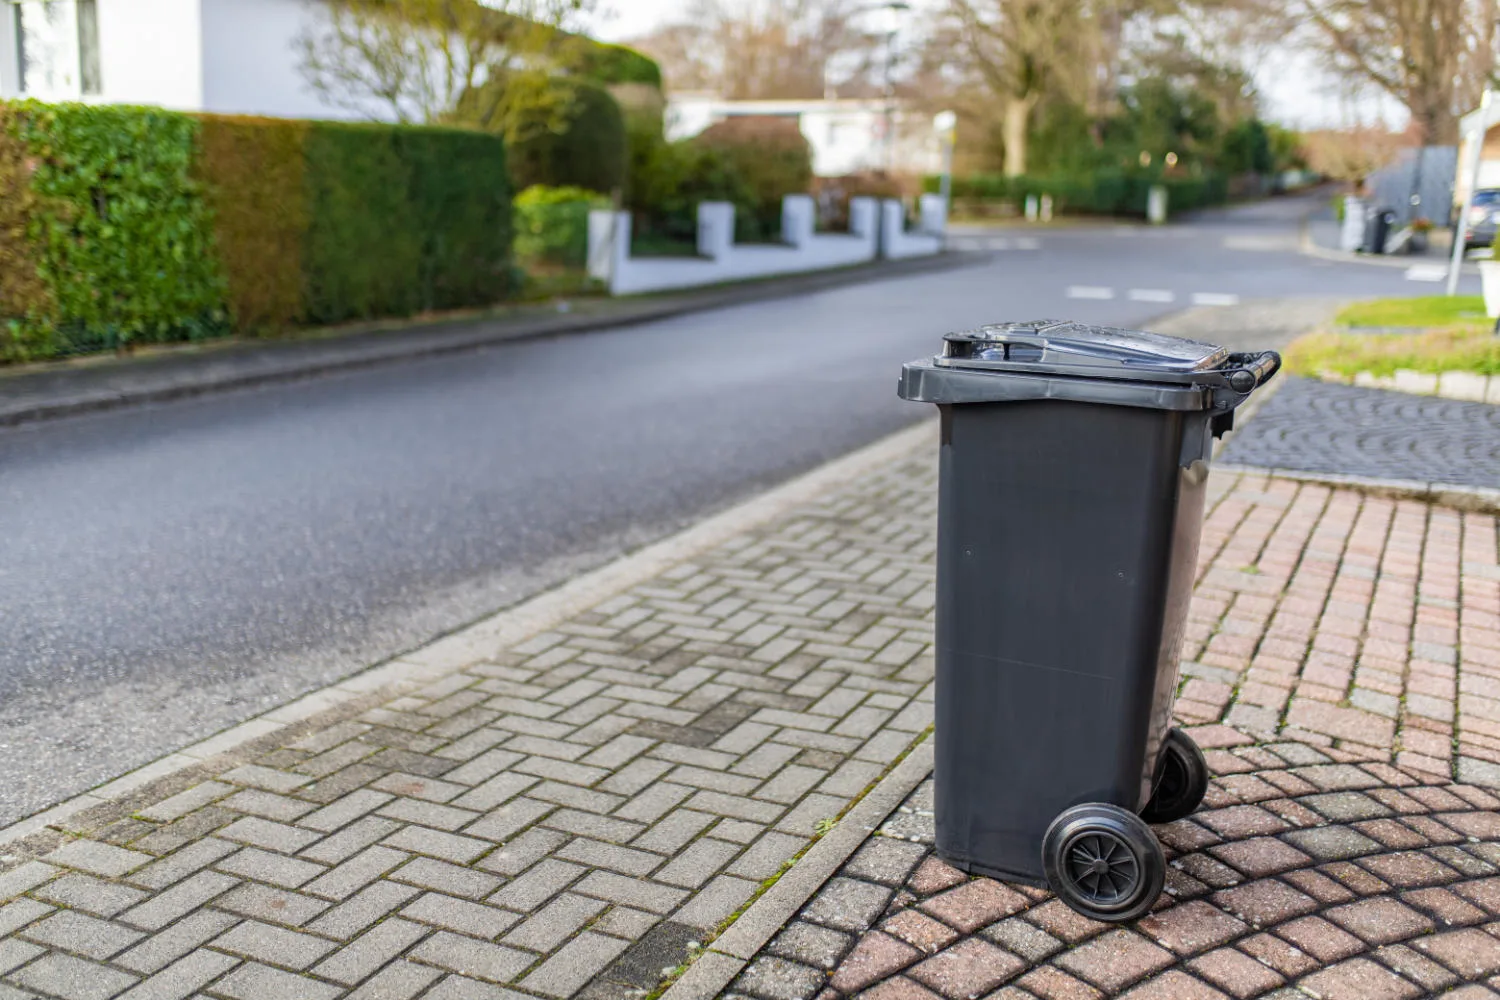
column 1484, row 219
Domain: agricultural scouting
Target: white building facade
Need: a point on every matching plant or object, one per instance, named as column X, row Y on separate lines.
column 847, row 136
column 226, row 56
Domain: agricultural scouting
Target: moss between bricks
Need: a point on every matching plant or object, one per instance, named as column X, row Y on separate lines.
column 824, row 827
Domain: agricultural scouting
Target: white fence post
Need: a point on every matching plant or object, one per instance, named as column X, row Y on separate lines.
column 715, row 229
column 933, row 209
column 797, row 216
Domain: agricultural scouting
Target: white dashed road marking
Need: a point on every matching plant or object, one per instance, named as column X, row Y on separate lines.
column 1427, row 272
column 1215, row 299
column 1150, row 295
column 1090, row 292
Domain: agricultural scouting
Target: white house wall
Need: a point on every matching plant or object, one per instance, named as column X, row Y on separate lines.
column 10, row 75
column 252, row 64
column 151, row 52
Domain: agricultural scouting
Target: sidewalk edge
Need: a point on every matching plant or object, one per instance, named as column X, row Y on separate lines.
column 434, row 344
column 716, row 968
column 446, row 654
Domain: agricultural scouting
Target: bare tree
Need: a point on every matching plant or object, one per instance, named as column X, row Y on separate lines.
column 1434, row 56
column 1352, row 154
column 765, row 49
column 415, row 59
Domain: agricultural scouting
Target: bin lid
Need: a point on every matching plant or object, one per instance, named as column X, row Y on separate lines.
column 1060, row 344
column 1060, row 359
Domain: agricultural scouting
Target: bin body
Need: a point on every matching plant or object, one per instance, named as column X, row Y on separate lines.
column 1074, row 462
column 1378, row 229
column 1067, row 543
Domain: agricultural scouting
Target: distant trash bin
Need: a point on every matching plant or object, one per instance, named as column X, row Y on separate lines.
column 1073, row 469
column 1378, row 225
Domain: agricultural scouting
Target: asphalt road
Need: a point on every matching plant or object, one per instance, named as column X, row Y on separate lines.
column 168, row 571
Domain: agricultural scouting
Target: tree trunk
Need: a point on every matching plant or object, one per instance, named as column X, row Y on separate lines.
column 1017, row 122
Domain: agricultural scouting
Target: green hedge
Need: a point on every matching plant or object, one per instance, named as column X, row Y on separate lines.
column 552, row 225
column 123, row 225
column 1103, row 192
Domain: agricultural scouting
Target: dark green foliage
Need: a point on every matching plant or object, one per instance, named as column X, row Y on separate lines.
column 772, row 159
column 120, row 232
column 576, row 140
column 1246, row 149
column 362, row 252
column 669, row 179
column 611, row 64
column 460, row 202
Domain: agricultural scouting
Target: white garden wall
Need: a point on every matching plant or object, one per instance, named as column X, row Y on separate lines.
column 720, row 259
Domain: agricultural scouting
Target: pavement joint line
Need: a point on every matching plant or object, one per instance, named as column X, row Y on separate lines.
column 455, row 650
column 727, row 956
column 1478, row 499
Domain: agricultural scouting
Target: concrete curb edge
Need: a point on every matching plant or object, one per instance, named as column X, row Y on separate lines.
column 437, row 345
column 1479, row 499
column 716, row 968
column 444, row 655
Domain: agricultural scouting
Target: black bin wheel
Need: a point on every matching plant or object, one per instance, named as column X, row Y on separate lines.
column 1104, row 862
column 1183, row 783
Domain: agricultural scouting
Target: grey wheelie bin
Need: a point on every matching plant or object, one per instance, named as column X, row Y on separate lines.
column 1073, row 464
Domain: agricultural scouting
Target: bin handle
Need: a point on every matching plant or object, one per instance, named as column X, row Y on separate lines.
column 1259, row 367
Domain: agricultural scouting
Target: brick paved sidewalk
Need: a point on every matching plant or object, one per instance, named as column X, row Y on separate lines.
column 567, row 815
column 1342, row 667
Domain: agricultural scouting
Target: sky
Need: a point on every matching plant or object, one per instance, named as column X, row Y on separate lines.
column 1295, row 91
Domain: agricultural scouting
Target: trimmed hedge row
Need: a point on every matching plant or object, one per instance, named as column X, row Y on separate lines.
column 122, row 225
column 1104, row 192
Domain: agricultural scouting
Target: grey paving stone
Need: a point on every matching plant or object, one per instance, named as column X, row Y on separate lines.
column 345, row 809
column 428, row 814
column 811, row 944
column 587, row 824
column 701, row 861
column 354, row 874
column 803, row 819
column 69, row 978
column 17, row 914
column 522, row 852
column 846, row 904
column 641, row 965
column 1345, row 807
column 766, row 855
column 185, row 861
column 443, row 877
column 622, row 921
column 271, row 835
column 363, row 909
column 579, row 961
column 673, row 830
column 779, row 979
column 434, row 843
column 1024, row 939
column 479, row 959
column 268, row 805
column 263, row 866
column 654, row 802
column 180, row 979
column 166, row 946
column 89, row 894
column 269, row 778
column 187, row 895
column 15, row 953
column 884, row 860
column 473, row 919
column 625, row 860
column 98, row 859
column 372, row 949
column 351, row 840
column 539, row 884
column 273, row 945
column 463, row 988
column 72, row 931
column 182, row 803
column 398, row 981
column 500, row 824
column 639, row 893
column 709, row 905
column 253, row 981
column 554, row 923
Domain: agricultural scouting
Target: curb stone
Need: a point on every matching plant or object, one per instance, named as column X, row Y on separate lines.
column 241, row 365
column 1477, row 499
column 728, row 956
column 411, row 670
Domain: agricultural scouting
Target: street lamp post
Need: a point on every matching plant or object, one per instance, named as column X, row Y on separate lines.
column 1476, row 156
column 895, row 7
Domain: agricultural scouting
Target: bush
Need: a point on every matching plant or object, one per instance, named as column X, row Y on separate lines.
column 612, row 64
column 120, row 232
column 252, row 171
column 26, row 303
column 771, row 157
column 576, row 140
column 669, row 179
column 552, row 225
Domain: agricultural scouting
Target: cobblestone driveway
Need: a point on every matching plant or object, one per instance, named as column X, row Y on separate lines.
column 1313, row 426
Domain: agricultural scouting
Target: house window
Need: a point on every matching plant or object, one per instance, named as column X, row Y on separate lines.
column 57, row 48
